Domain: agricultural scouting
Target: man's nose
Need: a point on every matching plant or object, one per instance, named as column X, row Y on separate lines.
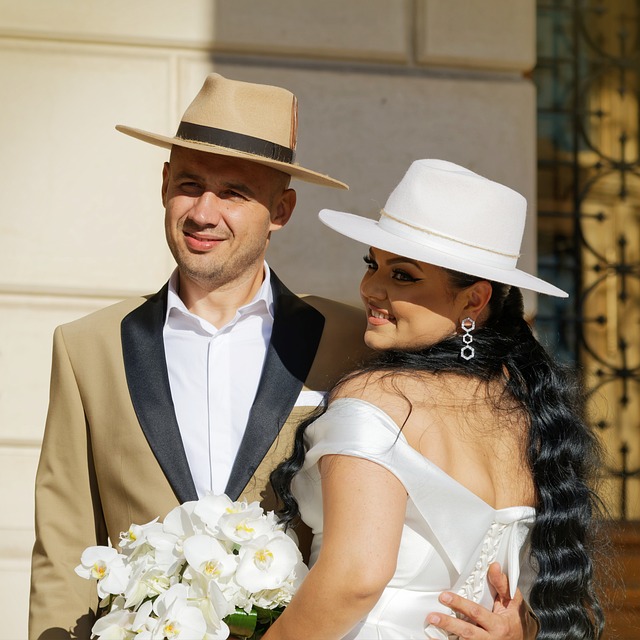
column 207, row 209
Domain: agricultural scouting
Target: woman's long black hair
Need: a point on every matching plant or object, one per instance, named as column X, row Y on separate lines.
column 562, row 452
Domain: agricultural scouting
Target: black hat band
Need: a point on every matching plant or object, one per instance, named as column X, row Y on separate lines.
column 231, row 140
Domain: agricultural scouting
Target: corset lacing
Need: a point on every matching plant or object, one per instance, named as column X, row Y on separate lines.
column 475, row 583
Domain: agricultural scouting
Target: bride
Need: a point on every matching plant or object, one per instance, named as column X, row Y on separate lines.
column 460, row 445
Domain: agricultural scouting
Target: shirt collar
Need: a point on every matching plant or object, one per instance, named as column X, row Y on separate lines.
column 262, row 302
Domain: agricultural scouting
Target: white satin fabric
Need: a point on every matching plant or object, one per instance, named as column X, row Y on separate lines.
column 450, row 535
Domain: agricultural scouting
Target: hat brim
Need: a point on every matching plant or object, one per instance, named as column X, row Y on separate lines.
column 294, row 170
column 370, row 233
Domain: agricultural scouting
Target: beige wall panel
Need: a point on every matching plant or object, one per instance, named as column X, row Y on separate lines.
column 358, row 29
column 83, row 209
column 192, row 70
column 14, row 596
column 188, row 22
column 17, row 469
column 362, row 29
column 26, row 332
column 366, row 129
column 492, row 34
column 14, row 591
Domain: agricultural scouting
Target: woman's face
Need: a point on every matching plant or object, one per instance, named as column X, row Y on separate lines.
column 409, row 304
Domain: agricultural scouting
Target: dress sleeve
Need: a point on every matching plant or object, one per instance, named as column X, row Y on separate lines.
column 353, row 427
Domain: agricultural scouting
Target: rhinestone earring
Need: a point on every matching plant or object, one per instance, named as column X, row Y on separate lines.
column 467, row 351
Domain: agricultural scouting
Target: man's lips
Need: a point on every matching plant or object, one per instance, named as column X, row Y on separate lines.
column 201, row 242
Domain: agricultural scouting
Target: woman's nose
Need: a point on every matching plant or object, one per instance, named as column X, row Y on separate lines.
column 371, row 286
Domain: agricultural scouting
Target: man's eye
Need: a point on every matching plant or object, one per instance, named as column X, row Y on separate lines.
column 230, row 193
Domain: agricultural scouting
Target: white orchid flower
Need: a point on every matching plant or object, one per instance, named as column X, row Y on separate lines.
column 167, row 543
column 267, row 562
column 143, row 621
column 107, row 566
column 146, row 582
column 271, row 598
column 167, row 550
column 116, row 625
column 179, row 579
column 180, row 521
column 209, row 557
column 214, row 605
column 242, row 526
column 136, row 535
column 211, row 508
column 221, row 605
column 177, row 619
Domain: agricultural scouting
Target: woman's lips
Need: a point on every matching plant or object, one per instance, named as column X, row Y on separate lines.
column 378, row 317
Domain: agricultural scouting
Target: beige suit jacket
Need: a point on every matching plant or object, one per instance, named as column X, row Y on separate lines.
column 112, row 453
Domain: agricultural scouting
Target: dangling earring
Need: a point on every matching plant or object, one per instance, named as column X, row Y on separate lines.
column 467, row 351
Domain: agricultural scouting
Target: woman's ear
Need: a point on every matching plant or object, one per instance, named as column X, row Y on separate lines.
column 477, row 298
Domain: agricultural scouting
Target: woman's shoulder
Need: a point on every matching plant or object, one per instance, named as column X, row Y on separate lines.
column 395, row 393
column 373, row 383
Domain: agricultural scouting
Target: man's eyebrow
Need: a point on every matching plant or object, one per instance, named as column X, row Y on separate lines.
column 186, row 174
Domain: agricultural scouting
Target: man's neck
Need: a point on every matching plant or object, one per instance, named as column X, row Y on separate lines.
column 219, row 306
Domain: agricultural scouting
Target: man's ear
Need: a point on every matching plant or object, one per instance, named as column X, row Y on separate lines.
column 165, row 183
column 283, row 209
column 477, row 298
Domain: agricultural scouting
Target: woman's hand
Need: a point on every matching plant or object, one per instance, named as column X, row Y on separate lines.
column 509, row 620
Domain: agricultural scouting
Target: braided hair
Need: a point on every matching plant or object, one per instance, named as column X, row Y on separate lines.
column 562, row 453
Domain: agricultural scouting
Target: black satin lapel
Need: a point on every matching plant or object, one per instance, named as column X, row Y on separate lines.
column 146, row 370
column 297, row 329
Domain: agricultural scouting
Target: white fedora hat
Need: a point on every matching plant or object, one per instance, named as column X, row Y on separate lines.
column 448, row 216
column 256, row 122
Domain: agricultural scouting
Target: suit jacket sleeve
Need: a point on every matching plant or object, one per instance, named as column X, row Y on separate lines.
column 68, row 512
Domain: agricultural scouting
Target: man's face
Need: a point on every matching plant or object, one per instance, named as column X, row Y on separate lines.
column 220, row 212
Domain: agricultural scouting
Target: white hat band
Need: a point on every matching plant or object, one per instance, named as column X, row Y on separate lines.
column 446, row 244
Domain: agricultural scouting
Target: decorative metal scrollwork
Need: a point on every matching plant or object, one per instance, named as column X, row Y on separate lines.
column 588, row 80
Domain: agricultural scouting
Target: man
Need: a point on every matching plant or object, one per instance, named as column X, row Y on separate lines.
column 156, row 401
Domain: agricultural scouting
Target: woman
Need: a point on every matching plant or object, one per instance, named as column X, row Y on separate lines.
column 462, row 442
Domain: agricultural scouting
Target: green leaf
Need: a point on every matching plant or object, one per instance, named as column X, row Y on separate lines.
column 241, row 623
column 252, row 625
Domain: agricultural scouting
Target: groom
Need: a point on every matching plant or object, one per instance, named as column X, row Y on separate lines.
column 157, row 400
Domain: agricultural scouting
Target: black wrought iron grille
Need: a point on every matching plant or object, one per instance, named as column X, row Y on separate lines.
column 587, row 79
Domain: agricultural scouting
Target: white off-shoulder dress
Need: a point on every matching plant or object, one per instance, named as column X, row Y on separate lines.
column 450, row 535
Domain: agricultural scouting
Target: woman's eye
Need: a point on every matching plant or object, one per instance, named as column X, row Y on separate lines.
column 403, row 276
column 370, row 262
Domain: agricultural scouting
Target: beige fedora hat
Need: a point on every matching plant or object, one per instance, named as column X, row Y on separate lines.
column 256, row 122
column 448, row 216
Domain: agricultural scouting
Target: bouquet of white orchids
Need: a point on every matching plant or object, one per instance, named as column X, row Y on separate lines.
column 213, row 568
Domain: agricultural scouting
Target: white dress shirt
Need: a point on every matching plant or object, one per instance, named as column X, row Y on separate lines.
column 214, row 375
